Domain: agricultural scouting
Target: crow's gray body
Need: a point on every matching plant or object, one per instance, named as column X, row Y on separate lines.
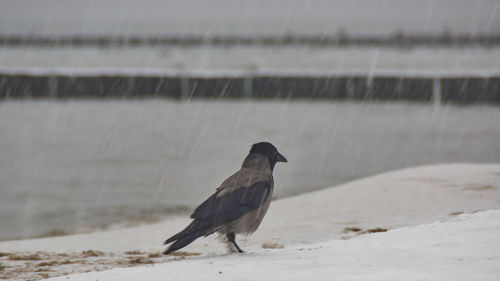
column 255, row 169
column 239, row 203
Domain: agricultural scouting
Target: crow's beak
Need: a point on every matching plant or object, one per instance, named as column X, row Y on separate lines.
column 280, row 158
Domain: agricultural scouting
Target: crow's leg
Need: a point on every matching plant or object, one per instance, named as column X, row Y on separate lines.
column 230, row 236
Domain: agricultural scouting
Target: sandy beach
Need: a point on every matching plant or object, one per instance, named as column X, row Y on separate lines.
column 420, row 216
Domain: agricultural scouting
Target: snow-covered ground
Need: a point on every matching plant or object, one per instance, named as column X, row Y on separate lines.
column 324, row 234
column 464, row 248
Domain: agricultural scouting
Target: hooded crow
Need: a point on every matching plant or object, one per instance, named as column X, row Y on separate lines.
column 238, row 204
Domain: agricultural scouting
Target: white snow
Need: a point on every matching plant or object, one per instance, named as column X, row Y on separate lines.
column 465, row 248
column 426, row 241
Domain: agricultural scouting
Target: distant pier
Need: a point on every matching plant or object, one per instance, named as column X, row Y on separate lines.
column 433, row 89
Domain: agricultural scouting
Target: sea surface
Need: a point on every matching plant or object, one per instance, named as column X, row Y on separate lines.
column 80, row 165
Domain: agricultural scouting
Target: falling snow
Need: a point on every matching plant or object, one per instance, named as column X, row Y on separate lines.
column 120, row 118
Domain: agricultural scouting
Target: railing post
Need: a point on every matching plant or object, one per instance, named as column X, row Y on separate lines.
column 369, row 87
column 436, row 91
column 349, row 88
column 184, row 88
column 247, row 87
column 53, row 87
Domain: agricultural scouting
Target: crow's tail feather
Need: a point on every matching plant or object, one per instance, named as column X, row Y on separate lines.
column 193, row 231
column 191, row 228
column 182, row 242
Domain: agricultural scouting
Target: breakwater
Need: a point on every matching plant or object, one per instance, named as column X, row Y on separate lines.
column 460, row 89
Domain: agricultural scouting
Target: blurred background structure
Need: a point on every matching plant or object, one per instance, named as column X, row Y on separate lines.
column 125, row 111
column 260, row 49
column 248, row 19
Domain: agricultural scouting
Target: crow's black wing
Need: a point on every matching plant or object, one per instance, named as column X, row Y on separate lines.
column 218, row 210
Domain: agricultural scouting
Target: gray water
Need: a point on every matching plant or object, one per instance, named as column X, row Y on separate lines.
column 73, row 166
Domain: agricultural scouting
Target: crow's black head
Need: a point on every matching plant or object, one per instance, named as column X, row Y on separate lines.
column 268, row 150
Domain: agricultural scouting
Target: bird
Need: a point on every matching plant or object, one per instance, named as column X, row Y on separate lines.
column 238, row 204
